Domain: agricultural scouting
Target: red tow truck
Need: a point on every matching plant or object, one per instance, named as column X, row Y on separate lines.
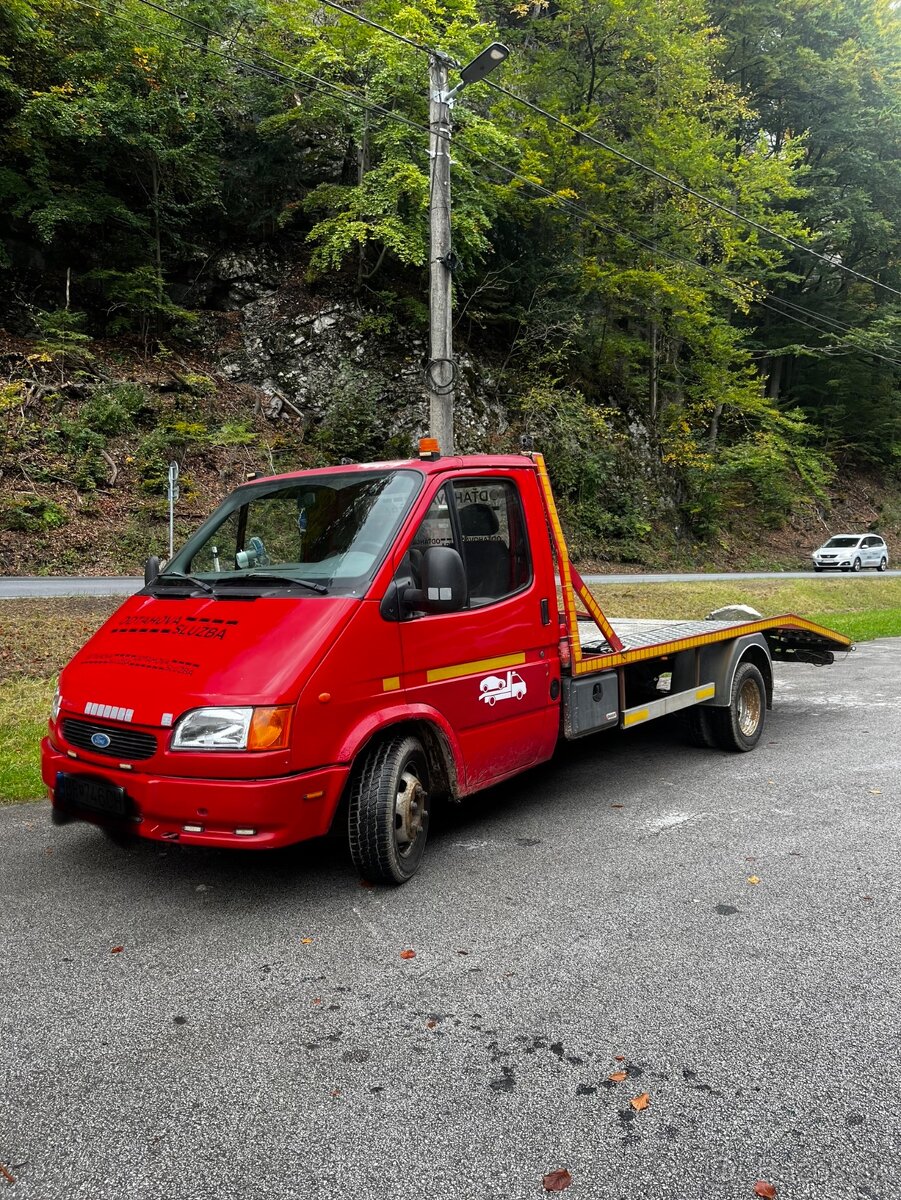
column 371, row 639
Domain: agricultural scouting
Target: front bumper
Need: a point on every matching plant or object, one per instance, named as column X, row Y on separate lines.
column 280, row 811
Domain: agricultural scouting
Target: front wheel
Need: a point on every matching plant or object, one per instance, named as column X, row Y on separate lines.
column 739, row 726
column 857, row 565
column 883, row 563
column 388, row 819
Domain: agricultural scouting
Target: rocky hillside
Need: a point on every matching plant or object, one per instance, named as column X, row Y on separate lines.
column 275, row 376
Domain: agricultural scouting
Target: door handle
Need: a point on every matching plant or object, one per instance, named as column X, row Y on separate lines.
column 545, row 613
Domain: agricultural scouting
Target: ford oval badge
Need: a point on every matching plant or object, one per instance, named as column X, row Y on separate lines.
column 100, row 740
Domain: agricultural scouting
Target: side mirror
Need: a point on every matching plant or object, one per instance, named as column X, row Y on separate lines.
column 443, row 582
column 151, row 569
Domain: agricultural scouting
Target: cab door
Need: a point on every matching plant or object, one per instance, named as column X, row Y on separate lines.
column 491, row 668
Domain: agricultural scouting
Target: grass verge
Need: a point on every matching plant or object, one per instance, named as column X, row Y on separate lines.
column 38, row 637
column 24, row 708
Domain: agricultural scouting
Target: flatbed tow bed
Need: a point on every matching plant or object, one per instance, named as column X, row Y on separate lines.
column 696, row 658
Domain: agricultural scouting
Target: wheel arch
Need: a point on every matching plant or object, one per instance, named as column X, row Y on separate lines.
column 720, row 661
column 438, row 739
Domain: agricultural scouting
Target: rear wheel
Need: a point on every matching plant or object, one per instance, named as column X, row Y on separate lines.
column 857, row 565
column 388, row 818
column 883, row 563
column 739, row 726
column 699, row 727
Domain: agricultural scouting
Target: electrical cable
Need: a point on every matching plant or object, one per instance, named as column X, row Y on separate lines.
column 690, row 191
column 420, row 128
column 610, row 149
column 383, row 29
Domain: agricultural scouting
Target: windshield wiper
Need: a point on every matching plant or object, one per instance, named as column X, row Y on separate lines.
column 180, row 577
column 270, row 579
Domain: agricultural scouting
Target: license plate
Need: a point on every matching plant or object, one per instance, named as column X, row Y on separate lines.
column 85, row 791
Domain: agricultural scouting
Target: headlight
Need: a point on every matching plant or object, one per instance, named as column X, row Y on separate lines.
column 213, row 729
column 55, row 706
column 234, row 729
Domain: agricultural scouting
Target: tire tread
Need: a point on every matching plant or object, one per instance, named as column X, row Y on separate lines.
column 371, row 811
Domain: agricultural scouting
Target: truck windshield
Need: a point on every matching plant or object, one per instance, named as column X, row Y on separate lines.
column 330, row 532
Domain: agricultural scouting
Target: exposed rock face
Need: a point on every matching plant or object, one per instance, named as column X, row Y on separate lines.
column 318, row 358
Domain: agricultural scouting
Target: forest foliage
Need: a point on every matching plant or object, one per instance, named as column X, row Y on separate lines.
column 640, row 334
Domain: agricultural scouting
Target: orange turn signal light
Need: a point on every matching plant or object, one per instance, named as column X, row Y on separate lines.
column 428, row 448
column 270, row 728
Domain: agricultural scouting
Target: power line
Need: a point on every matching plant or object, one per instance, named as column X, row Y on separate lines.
column 687, row 189
column 564, row 202
column 348, row 12
column 587, row 216
column 660, row 175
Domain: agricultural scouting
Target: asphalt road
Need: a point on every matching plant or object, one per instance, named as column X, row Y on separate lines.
column 596, row 915
column 22, row 586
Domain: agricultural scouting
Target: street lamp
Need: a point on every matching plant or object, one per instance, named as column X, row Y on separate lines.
column 441, row 373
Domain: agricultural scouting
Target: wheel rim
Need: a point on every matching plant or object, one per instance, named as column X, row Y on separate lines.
column 749, row 708
column 882, row 565
column 857, row 564
column 410, row 813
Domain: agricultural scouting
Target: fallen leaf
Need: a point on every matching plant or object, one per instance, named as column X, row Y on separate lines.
column 753, row 879
column 869, row 899
column 317, row 1001
column 639, row 1103
column 306, row 941
column 764, row 1189
column 557, row 1181
column 617, row 806
column 618, row 1076
column 336, row 1092
column 117, row 949
column 619, row 1057
column 408, row 953
column 431, row 1024
column 6, row 1175
column 875, row 791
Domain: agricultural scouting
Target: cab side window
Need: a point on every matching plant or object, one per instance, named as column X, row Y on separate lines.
column 495, row 550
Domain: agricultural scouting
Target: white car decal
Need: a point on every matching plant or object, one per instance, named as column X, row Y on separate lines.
column 511, row 686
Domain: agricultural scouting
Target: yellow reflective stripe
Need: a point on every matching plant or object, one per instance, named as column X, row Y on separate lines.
column 633, row 718
column 391, row 684
column 705, row 693
column 472, row 668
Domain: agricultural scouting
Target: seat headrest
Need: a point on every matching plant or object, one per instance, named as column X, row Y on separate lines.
column 478, row 520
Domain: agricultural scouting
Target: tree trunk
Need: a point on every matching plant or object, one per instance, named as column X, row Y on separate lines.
column 652, row 376
column 774, row 379
column 714, row 428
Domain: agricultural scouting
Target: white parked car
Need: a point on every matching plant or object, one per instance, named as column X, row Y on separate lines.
column 851, row 552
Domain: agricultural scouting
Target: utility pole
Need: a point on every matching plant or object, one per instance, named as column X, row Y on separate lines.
column 441, row 371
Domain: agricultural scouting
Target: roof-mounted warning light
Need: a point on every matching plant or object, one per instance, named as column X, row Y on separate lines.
column 428, row 449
